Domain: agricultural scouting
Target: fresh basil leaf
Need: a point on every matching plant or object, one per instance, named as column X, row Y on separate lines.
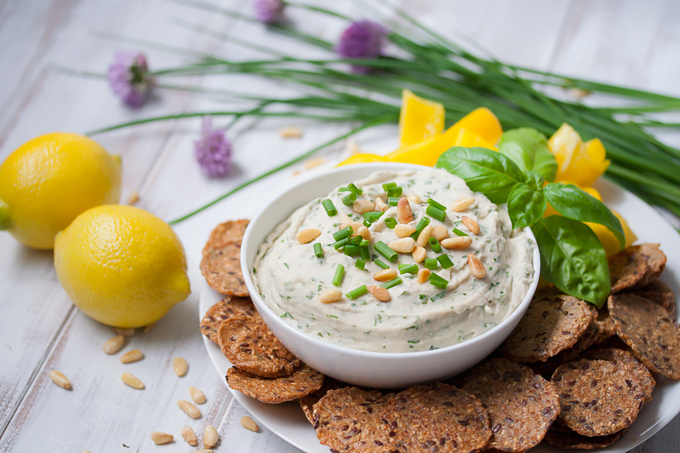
column 533, row 179
column 484, row 170
column 526, row 205
column 572, row 202
column 529, row 149
column 573, row 258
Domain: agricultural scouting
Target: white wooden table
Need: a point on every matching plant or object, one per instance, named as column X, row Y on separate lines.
column 629, row 42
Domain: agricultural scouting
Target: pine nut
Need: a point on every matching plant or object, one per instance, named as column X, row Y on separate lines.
column 132, row 356
column 440, row 232
column 133, row 198
column 114, row 345
column 249, row 424
column 476, row 266
column 190, row 409
column 379, row 293
column 457, row 243
column 330, row 295
column 403, row 231
column 210, row 436
column 308, row 235
column 85, row 451
column 403, row 245
column 290, row 132
column 462, row 205
column 61, row 380
column 424, row 236
column 362, row 206
column 125, row 332
column 380, row 205
column 404, row 214
column 355, row 227
column 160, row 438
column 314, row 162
column 189, row 435
column 414, row 198
column 364, row 233
column 423, row 275
column 197, row 395
column 149, row 328
column 345, row 221
column 385, row 275
column 180, row 365
column 419, row 253
column 470, row 224
column 131, row 380
column 205, row 451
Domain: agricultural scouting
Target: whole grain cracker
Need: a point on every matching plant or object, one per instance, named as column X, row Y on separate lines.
column 647, row 382
column 221, row 267
column 229, row 231
column 597, row 397
column 636, row 265
column 301, row 383
column 574, row 441
column 585, row 341
column 550, row 325
column 222, row 311
column 658, row 292
column 307, row 403
column 522, row 406
column 249, row 345
column 605, row 326
column 650, row 332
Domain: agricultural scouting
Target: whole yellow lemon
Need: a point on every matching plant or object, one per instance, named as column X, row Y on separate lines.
column 50, row 180
column 121, row 265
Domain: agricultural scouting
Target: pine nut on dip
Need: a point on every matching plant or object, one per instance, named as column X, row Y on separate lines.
column 448, row 306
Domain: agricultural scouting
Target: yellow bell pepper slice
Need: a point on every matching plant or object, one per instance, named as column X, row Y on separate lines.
column 581, row 163
column 419, row 120
column 609, row 241
column 483, row 123
column 362, row 159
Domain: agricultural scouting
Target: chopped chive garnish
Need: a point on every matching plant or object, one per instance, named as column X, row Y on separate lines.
column 389, row 186
column 341, row 243
column 344, row 233
column 329, row 207
column 352, row 250
column 344, row 189
column 445, row 261
column 434, row 243
column 349, row 199
column 364, row 243
column 360, row 264
column 436, row 213
column 356, row 292
column 356, row 240
column 437, row 281
column 372, row 216
column 354, row 189
column 367, row 224
column 365, row 252
column 431, row 263
column 339, row 273
column 437, row 205
column 318, row 251
column 391, row 222
column 419, row 228
column 392, row 283
column 382, row 264
column 460, row 233
column 408, row 268
column 393, row 201
column 385, row 251
column 395, row 192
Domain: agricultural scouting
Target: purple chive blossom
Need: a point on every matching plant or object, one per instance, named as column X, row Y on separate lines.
column 362, row 39
column 269, row 11
column 129, row 78
column 213, row 150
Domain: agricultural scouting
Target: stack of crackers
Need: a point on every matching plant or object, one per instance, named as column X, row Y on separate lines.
column 570, row 375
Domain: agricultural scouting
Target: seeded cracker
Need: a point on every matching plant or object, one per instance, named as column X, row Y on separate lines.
column 521, row 405
column 585, row 341
column 223, row 310
column 573, row 441
column 659, row 293
column 221, row 267
column 307, row 403
column 649, row 331
column 597, row 397
column 229, row 231
column 636, row 265
column 249, row 345
column 279, row 390
column 605, row 326
column 647, row 382
column 550, row 325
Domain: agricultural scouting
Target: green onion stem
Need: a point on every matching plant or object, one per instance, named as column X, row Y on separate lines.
column 339, row 273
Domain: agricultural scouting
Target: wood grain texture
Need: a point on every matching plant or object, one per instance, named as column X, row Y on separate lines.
column 623, row 42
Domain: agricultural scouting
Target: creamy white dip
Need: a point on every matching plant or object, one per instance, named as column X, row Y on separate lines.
column 419, row 316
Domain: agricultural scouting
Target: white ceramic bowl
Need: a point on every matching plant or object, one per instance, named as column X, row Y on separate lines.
column 363, row 368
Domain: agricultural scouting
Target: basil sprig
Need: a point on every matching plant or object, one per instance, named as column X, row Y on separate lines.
column 529, row 149
column 572, row 256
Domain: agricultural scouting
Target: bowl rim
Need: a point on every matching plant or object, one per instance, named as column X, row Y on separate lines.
column 377, row 166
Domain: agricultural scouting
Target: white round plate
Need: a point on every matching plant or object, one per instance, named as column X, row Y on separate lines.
column 288, row 422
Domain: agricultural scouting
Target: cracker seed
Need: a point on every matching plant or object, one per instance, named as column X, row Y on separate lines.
column 210, row 436
column 249, row 424
column 61, row 380
column 189, row 435
column 197, row 395
column 189, row 408
column 636, row 266
column 132, row 356
column 114, row 345
column 160, row 438
column 132, row 381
